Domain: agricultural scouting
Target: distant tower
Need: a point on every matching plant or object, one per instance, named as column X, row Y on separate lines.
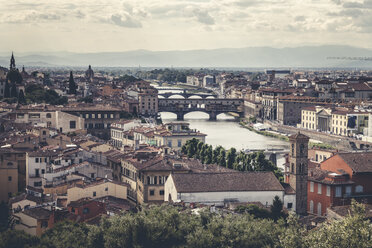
column 12, row 62
column 89, row 74
column 298, row 168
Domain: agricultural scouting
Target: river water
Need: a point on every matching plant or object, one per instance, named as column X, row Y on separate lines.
column 227, row 132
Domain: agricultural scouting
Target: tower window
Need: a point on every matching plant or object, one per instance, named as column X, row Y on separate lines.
column 302, row 149
column 292, row 150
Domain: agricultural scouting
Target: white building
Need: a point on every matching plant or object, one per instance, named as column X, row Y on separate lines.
column 62, row 121
column 37, row 164
column 208, row 81
column 220, row 188
column 118, row 128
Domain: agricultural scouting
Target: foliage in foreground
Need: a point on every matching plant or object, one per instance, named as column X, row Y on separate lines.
column 166, row 226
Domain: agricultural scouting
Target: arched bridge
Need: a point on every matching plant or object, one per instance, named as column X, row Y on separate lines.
column 212, row 107
column 186, row 94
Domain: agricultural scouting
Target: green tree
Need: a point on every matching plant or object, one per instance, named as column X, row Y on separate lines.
column 5, row 217
column 222, row 158
column 13, row 91
column 6, row 90
column 352, row 231
column 21, row 97
column 71, row 85
column 208, row 155
column 17, row 239
column 254, row 210
column 216, row 153
column 230, row 157
column 66, row 234
column 277, row 208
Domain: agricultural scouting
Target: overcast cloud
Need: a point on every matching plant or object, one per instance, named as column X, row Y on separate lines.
column 120, row 25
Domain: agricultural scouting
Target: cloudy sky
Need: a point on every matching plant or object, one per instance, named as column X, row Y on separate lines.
column 122, row 25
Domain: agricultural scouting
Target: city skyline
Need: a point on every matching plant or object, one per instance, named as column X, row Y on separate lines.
column 96, row 26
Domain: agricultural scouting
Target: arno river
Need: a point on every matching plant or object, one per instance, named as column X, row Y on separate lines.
column 227, row 132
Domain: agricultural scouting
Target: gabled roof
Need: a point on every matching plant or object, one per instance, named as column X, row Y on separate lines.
column 359, row 162
column 298, row 136
column 222, row 182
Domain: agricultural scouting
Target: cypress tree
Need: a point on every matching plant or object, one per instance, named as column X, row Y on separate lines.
column 13, row 91
column 71, row 84
column 21, row 97
column 6, row 90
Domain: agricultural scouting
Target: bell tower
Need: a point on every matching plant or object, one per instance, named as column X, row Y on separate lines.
column 298, row 169
column 12, row 62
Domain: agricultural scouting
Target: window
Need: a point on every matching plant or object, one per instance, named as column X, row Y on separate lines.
column 44, row 132
column 292, row 168
column 348, row 190
column 338, row 191
column 9, row 194
column 36, row 160
column 319, row 208
column 302, row 149
column 161, row 192
column 86, row 211
column 9, row 178
column 72, row 124
column 48, row 115
column 106, row 189
column 36, row 172
column 94, row 193
column 91, row 175
column 289, row 205
column 311, row 186
column 179, row 143
column 152, row 192
column 170, row 143
column 44, row 224
column 328, row 190
column 316, row 157
column 9, row 164
column 319, row 189
column 359, row 189
column 37, row 184
column 34, row 115
column 311, row 207
column 292, row 150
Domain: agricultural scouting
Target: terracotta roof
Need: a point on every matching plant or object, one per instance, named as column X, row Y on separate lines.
column 288, row 189
column 39, row 213
column 344, row 211
column 361, row 87
column 359, row 162
column 322, row 176
column 222, row 182
column 299, row 136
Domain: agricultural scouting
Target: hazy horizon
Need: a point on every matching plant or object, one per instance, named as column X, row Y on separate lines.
column 157, row 25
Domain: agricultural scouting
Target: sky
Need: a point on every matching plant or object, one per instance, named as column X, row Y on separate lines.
column 160, row 25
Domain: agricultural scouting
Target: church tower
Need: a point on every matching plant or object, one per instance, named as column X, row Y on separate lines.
column 12, row 62
column 298, row 169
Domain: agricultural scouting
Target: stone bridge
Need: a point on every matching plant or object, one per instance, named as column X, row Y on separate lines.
column 186, row 94
column 213, row 107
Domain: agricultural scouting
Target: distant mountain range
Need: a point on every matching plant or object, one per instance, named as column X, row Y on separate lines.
column 250, row 57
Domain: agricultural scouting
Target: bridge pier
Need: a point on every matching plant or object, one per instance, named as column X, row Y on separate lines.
column 180, row 116
column 212, row 116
